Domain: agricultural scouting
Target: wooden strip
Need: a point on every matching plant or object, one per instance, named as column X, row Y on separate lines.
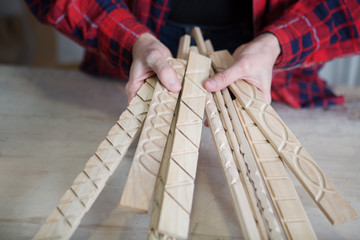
column 184, row 47
column 282, row 191
column 239, row 160
column 140, row 183
column 318, row 185
column 241, row 204
column 76, row 201
column 262, row 209
column 197, row 35
column 252, row 171
column 175, row 184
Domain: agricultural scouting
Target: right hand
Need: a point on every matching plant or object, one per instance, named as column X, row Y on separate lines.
column 149, row 58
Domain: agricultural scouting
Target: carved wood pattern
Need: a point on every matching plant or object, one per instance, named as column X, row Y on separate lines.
column 175, row 184
column 140, row 183
column 87, row 186
column 221, row 61
column 239, row 196
column 253, row 172
column 318, row 185
column 263, row 211
column 282, row 192
column 301, row 163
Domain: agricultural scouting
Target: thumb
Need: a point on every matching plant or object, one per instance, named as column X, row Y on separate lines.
column 222, row 79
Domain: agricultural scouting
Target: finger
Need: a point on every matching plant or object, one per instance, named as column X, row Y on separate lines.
column 166, row 74
column 223, row 79
column 131, row 88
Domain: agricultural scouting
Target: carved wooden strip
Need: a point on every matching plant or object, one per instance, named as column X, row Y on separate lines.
column 261, row 211
column 184, row 47
column 283, row 194
column 239, row 197
column 140, row 183
column 175, row 185
column 318, row 185
column 255, row 177
column 87, row 186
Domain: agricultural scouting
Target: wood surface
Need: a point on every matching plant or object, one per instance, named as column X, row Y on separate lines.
column 142, row 177
column 288, row 206
column 335, row 207
column 175, row 184
column 87, row 186
column 240, row 201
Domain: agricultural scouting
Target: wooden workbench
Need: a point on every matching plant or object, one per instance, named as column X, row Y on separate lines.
column 51, row 122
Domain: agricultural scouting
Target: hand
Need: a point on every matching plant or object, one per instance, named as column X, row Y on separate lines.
column 149, row 58
column 254, row 63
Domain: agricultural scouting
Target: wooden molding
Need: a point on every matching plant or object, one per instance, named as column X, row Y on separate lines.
column 76, row 201
column 288, row 206
column 175, row 184
column 318, row 185
column 140, row 183
column 238, row 193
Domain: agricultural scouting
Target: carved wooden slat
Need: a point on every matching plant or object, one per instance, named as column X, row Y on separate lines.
column 318, row 185
column 140, row 183
column 184, row 47
column 175, row 184
column 283, row 194
column 252, row 171
column 87, row 186
column 239, row 196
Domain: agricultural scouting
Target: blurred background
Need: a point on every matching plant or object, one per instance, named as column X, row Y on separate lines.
column 25, row 41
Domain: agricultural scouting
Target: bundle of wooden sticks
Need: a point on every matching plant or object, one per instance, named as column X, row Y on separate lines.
column 253, row 145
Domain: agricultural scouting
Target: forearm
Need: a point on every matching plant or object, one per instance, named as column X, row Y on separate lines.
column 110, row 30
column 317, row 31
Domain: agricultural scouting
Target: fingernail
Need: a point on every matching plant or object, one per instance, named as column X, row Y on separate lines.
column 175, row 85
column 211, row 83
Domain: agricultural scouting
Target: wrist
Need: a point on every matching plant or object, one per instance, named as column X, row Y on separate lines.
column 271, row 44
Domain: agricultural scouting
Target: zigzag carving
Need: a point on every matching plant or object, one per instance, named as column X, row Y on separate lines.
column 142, row 177
column 87, row 186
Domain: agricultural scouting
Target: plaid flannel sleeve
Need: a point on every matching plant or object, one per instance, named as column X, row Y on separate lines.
column 102, row 26
column 317, row 31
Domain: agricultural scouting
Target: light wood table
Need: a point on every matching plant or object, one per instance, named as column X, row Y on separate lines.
column 52, row 121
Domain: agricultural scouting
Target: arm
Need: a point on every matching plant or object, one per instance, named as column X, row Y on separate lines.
column 308, row 32
column 317, row 31
column 108, row 29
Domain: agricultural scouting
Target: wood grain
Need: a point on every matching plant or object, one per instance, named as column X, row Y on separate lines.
column 282, row 191
column 175, row 184
column 87, row 186
column 239, row 196
column 140, row 183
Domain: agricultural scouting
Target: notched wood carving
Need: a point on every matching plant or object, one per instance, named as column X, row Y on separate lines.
column 87, row 186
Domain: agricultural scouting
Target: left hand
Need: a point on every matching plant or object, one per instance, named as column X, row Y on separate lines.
column 254, row 62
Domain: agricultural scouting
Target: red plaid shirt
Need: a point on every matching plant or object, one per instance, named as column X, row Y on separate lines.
column 309, row 32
